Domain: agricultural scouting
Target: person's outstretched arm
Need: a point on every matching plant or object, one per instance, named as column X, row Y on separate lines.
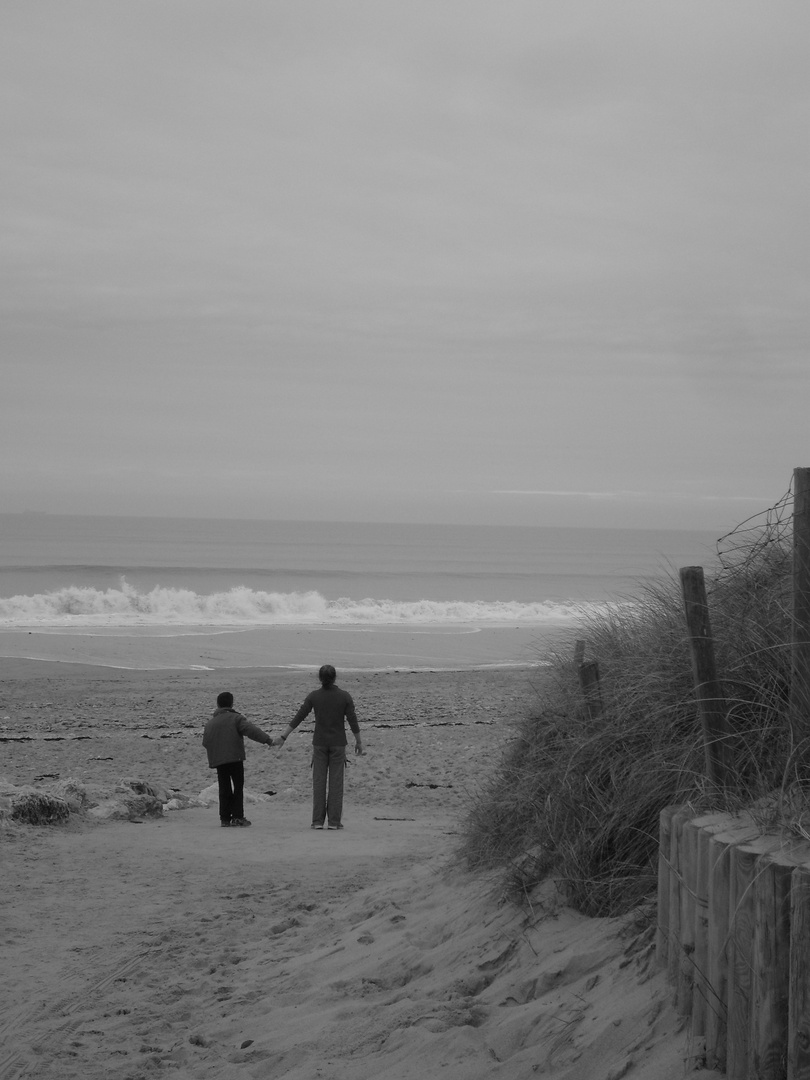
column 252, row 731
column 304, row 711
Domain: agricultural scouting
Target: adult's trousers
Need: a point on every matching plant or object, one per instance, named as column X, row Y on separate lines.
column 328, row 770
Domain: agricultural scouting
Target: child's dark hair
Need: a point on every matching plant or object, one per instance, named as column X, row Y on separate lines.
column 225, row 700
column 327, row 675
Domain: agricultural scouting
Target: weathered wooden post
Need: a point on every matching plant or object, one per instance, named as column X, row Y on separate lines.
column 579, row 652
column 720, row 827
column 799, row 999
column 700, row 997
column 675, row 889
column 662, row 942
column 769, row 1020
column 711, row 705
column 720, row 931
column 799, row 706
column 588, row 675
column 591, row 690
column 718, row 949
column 688, row 869
column 674, row 902
column 740, row 974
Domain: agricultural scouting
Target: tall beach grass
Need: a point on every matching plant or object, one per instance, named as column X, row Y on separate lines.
column 578, row 797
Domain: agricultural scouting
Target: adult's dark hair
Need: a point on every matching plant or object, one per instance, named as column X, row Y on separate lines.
column 225, row 700
column 327, row 675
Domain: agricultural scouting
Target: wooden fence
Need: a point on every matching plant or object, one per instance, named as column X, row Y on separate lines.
column 734, row 936
column 733, row 898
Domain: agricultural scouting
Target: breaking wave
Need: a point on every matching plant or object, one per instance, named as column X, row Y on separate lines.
column 86, row 606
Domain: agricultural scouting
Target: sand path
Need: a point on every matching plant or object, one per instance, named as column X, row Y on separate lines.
column 280, row 951
column 125, row 934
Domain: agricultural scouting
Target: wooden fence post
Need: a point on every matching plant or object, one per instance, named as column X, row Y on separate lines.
column 799, row 707
column 740, row 975
column 688, row 869
column 579, row 652
column 725, row 832
column 700, row 1003
column 719, row 950
column 591, row 690
column 711, row 901
column 799, row 998
column 662, row 940
column 588, row 675
column 769, row 1021
column 675, row 887
column 711, row 705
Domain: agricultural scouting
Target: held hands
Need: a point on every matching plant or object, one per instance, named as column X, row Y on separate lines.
column 279, row 740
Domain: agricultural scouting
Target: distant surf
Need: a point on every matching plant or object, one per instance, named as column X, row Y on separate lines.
column 75, row 605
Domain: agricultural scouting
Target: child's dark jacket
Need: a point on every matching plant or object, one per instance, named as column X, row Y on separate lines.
column 224, row 737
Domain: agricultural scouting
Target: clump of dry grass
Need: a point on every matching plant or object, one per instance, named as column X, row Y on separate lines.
column 39, row 808
column 584, row 794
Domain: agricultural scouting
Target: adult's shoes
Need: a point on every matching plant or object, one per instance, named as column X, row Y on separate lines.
column 240, row 822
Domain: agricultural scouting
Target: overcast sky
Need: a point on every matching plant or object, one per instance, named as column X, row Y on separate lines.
column 474, row 260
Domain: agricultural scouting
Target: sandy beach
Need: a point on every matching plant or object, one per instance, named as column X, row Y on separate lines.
column 145, row 942
column 436, row 733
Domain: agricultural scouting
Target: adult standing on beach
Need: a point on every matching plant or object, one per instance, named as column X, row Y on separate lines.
column 332, row 707
column 224, row 742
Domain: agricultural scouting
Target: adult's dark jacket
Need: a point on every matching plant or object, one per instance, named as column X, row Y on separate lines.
column 332, row 707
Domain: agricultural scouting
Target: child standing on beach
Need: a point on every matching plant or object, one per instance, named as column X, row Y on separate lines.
column 224, row 741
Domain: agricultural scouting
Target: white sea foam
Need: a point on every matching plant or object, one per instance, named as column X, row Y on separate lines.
column 126, row 606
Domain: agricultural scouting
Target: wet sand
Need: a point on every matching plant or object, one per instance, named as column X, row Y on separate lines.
column 347, row 647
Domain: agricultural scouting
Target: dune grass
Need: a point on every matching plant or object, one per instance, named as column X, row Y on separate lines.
column 579, row 798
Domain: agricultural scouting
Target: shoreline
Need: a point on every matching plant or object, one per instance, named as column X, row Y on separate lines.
column 287, row 648
column 506, row 666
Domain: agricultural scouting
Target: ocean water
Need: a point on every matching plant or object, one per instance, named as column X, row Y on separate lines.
column 282, row 586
